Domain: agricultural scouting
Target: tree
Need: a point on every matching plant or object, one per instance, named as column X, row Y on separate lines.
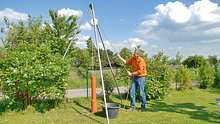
column 159, row 76
column 217, row 77
column 213, row 60
column 33, row 67
column 178, row 59
column 61, row 32
column 206, row 74
column 194, row 61
column 183, row 78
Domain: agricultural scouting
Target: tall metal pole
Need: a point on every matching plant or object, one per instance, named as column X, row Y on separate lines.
column 100, row 63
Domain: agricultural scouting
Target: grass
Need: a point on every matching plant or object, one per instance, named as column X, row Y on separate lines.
column 189, row 107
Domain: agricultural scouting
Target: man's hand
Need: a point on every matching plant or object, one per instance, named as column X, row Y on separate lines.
column 130, row 74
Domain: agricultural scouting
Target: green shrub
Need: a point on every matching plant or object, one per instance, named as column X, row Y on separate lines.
column 194, row 73
column 31, row 72
column 32, row 67
column 45, row 105
column 183, row 79
column 155, row 89
column 217, row 77
column 159, row 77
column 109, row 83
column 206, row 74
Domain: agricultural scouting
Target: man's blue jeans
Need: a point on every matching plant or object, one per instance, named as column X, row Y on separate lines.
column 138, row 82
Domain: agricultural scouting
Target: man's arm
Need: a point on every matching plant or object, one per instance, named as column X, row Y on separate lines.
column 122, row 59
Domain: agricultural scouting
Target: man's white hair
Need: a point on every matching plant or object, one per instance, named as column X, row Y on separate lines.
column 139, row 50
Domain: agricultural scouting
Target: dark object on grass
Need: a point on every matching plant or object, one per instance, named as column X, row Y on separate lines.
column 112, row 110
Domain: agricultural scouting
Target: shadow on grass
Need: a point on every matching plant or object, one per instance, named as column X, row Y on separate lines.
column 87, row 116
column 214, row 90
column 125, row 97
column 100, row 114
column 80, row 105
column 194, row 111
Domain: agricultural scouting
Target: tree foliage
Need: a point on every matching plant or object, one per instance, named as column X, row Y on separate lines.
column 178, row 59
column 217, row 77
column 194, row 61
column 182, row 78
column 33, row 68
column 206, row 74
column 213, row 60
column 159, row 77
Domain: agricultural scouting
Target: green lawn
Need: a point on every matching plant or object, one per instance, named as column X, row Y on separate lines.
column 188, row 107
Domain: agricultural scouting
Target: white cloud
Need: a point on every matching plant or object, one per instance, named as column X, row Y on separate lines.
column 70, row 12
column 190, row 29
column 176, row 12
column 86, row 27
column 129, row 43
column 154, row 46
column 135, row 42
column 108, row 45
column 205, row 10
column 177, row 22
column 81, row 40
column 13, row 15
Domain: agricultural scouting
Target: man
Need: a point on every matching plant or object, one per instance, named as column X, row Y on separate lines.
column 138, row 74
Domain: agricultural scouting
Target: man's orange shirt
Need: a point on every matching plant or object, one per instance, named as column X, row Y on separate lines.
column 138, row 65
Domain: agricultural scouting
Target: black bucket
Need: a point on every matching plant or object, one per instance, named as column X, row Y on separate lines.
column 112, row 110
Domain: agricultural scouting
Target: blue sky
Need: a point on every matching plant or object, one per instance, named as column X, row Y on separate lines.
column 188, row 26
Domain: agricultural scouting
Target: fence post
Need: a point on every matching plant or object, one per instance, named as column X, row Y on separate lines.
column 87, row 83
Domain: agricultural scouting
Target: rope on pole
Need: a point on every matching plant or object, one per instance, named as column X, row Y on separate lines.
column 100, row 62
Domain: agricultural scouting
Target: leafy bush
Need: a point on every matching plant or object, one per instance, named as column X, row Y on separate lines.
column 32, row 68
column 109, row 83
column 194, row 73
column 206, row 74
column 155, row 89
column 31, row 73
column 159, row 77
column 217, row 77
column 45, row 105
column 183, row 78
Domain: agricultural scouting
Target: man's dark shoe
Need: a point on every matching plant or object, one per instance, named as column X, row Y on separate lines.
column 132, row 109
column 143, row 109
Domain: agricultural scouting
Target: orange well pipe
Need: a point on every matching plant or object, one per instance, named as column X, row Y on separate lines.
column 93, row 102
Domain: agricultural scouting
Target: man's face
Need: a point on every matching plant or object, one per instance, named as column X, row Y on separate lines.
column 136, row 54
